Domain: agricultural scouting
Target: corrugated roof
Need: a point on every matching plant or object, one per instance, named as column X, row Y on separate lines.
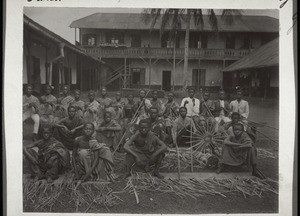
column 34, row 25
column 265, row 56
column 134, row 21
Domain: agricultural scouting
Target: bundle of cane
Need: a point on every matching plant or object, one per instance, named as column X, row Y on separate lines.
column 196, row 188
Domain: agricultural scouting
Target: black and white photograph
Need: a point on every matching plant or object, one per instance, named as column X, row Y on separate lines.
column 149, row 110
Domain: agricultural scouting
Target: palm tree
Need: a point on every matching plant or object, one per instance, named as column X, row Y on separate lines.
column 172, row 20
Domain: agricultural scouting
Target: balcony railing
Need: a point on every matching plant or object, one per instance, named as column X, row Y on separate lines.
column 108, row 52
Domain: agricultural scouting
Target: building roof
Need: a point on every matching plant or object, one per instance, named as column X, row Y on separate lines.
column 51, row 35
column 134, row 21
column 265, row 56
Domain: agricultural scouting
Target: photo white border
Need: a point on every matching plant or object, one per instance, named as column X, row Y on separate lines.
column 13, row 86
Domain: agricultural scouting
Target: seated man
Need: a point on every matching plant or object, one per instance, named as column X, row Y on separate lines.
column 157, row 124
column 46, row 112
column 239, row 150
column 51, row 159
column 144, row 149
column 109, row 131
column 182, row 128
column 92, row 160
column 52, row 100
column 128, row 111
column 67, row 129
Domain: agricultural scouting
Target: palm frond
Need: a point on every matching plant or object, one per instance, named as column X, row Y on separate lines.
column 213, row 21
column 198, row 18
column 151, row 15
column 228, row 16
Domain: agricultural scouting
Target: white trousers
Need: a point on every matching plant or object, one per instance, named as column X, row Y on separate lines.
column 35, row 117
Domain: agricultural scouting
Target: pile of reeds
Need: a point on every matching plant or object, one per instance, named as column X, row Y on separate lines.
column 42, row 196
column 170, row 161
column 195, row 188
column 263, row 153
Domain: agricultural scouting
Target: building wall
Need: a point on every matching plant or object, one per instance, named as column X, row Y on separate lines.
column 215, row 40
column 213, row 74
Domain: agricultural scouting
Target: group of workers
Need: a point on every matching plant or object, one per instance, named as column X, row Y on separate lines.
column 71, row 134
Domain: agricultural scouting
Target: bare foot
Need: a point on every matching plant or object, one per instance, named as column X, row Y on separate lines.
column 158, row 175
column 49, row 180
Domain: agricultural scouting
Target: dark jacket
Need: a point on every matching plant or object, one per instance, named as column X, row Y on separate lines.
column 218, row 108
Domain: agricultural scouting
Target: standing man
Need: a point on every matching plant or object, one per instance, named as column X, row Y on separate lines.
column 206, row 106
column 239, row 105
column 170, row 114
column 182, row 127
column 91, row 108
column 66, row 99
column 191, row 103
column 157, row 124
column 118, row 105
column 222, row 108
column 30, row 110
column 143, row 106
column 155, row 102
column 105, row 104
column 77, row 103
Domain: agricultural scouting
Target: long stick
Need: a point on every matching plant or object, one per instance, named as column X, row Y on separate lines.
column 192, row 162
column 178, row 159
column 135, row 116
column 263, row 125
column 214, row 118
column 261, row 133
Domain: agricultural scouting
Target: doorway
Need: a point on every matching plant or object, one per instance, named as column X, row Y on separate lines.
column 166, row 80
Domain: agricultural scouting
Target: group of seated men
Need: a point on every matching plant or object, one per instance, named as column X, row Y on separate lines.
column 83, row 136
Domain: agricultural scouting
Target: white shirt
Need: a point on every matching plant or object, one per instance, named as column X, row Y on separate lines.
column 241, row 107
column 222, row 105
column 192, row 107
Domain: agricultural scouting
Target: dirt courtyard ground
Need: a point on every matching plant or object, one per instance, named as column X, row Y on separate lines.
column 156, row 203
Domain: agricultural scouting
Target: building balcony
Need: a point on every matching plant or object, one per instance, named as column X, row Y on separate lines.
column 165, row 53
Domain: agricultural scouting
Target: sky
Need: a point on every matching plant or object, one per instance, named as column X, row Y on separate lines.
column 59, row 19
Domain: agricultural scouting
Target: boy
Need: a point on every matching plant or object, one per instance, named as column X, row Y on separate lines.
column 30, row 110
column 69, row 128
column 144, row 149
column 109, row 131
column 92, row 160
column 51, row 159
column 238, row 150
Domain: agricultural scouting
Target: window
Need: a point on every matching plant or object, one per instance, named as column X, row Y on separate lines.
column 115, row 38
column 89, row 39
column 198, row 77
column 198, row 40
column 230, row 42
column 135, row 40
column 167, row 42
column 246, row 42
column 138, row 76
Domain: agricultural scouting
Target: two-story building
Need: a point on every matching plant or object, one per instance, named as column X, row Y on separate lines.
column 141, row 58
column 50, row 59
